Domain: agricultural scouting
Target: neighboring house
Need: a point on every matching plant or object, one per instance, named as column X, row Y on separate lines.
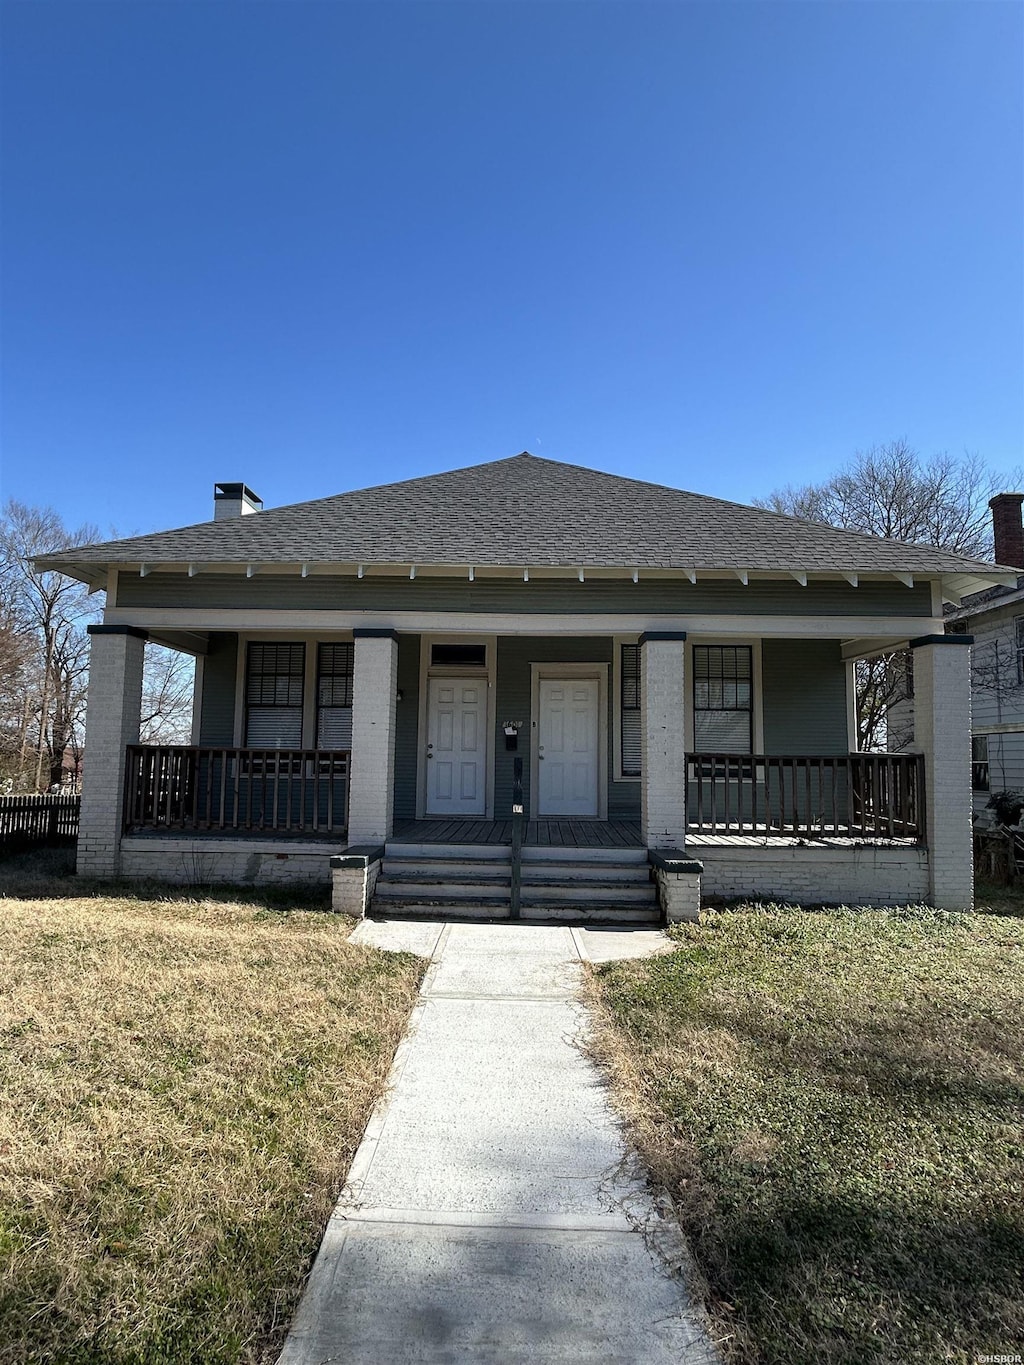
column 995, row 617
column 674, row 672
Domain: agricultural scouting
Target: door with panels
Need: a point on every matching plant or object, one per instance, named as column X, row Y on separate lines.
column 568, row 755
column 456, row 747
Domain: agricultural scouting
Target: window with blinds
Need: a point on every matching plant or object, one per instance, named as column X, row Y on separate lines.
column 334, row 669
column 723, row 705
column 273, row 696
column 629, row 714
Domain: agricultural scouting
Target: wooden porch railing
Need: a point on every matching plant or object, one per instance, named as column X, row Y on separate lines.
column 283, row 791
column 867, row 796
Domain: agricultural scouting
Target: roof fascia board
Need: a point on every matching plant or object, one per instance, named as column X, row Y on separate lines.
column 613, row 572
column 1010, row 599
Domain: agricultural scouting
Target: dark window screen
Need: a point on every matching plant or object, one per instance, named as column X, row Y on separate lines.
column 334, row 670
column 273, row 696
column 629, row 728
column 723, row 708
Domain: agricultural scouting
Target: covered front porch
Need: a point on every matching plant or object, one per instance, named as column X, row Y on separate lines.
column 407, row 739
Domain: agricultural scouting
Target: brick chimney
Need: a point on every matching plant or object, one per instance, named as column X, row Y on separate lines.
column 1007, row 530
column 234, row 500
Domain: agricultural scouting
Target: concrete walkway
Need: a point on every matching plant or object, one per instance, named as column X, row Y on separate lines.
column 492, row 1214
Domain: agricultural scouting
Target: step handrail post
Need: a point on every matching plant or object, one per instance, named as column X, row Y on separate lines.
column 518, row 819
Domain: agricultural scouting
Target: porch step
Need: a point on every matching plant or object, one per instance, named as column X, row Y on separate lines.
column 577, row 914
column 474, row 882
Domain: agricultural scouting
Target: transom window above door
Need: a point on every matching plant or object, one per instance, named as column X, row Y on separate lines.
column 458, row 656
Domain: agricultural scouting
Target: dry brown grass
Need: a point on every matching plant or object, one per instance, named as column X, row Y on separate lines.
column 183, row 1084
column 834, row 1103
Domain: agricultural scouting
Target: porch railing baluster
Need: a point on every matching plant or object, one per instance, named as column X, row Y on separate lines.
column 177, row 787
column 878, row 796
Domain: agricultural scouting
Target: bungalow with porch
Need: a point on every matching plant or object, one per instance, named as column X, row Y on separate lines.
column 651, row 688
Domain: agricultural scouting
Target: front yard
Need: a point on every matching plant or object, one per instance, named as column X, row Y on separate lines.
column 183, row 1083
column 834, row 1101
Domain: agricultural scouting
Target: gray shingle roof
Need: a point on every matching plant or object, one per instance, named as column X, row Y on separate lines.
column 526, row 511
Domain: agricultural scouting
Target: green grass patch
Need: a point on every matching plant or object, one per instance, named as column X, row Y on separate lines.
column 834, row 1101
column 183, row 1083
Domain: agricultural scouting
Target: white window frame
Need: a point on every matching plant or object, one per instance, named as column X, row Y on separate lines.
column 757, row 699
column 309, row 698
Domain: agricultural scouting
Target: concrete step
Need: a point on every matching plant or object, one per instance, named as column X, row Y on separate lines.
column 551, row 853
column 577, row 914
column 429, row 909
column 445, row 867
column 598, row 872
column 442, row 888
column 477, row 852
column 587, row 893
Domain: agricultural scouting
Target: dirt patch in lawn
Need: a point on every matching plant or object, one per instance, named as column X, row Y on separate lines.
column 184, row 1083
column 834, row 1102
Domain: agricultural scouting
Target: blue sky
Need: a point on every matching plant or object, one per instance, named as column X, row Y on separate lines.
column 314, row 246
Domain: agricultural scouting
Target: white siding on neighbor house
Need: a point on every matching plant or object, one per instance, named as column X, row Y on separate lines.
column 998, row 697
column 1005, row 765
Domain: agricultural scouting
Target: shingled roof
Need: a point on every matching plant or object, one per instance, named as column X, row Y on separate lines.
column 526, row 511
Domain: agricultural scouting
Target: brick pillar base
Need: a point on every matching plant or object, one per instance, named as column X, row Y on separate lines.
column 111, row 724
column 663, row 739
column 371, row 801
column 942, row 732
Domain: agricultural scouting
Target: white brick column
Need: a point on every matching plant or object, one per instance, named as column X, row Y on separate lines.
column 371, row 801
column 111, row 724
column 942, row 732
column 663, row 738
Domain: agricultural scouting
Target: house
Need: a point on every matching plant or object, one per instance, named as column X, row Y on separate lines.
column 669, row 674
column 995, row 616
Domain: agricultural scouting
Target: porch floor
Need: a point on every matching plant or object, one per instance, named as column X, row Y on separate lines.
column 538, row 833
column 758, row 839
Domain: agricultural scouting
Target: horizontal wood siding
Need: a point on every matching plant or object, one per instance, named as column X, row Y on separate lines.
column 217, row 718
column 330, row 593
column 1005, row 765
column 996, row 696
column 804, row 695
column 406, row 729
column 515, row 655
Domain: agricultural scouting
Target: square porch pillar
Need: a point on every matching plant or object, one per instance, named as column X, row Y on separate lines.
column 371, row 799
column 663, row 738
column 113, row 711
column 942, row 733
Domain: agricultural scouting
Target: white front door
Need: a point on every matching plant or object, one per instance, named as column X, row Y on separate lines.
column 568, row 764
column 457, row 747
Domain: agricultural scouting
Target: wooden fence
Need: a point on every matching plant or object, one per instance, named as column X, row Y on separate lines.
column 35, row 821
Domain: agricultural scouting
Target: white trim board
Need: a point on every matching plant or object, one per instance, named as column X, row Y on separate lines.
column 324, row 623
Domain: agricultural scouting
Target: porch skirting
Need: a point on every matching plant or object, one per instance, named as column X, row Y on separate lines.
column 246, row 861
column 854, row 874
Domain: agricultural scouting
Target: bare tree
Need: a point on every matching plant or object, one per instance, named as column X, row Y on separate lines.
column 167, row 687
column 891, row 491
column 47, row 613
column 44, row 658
